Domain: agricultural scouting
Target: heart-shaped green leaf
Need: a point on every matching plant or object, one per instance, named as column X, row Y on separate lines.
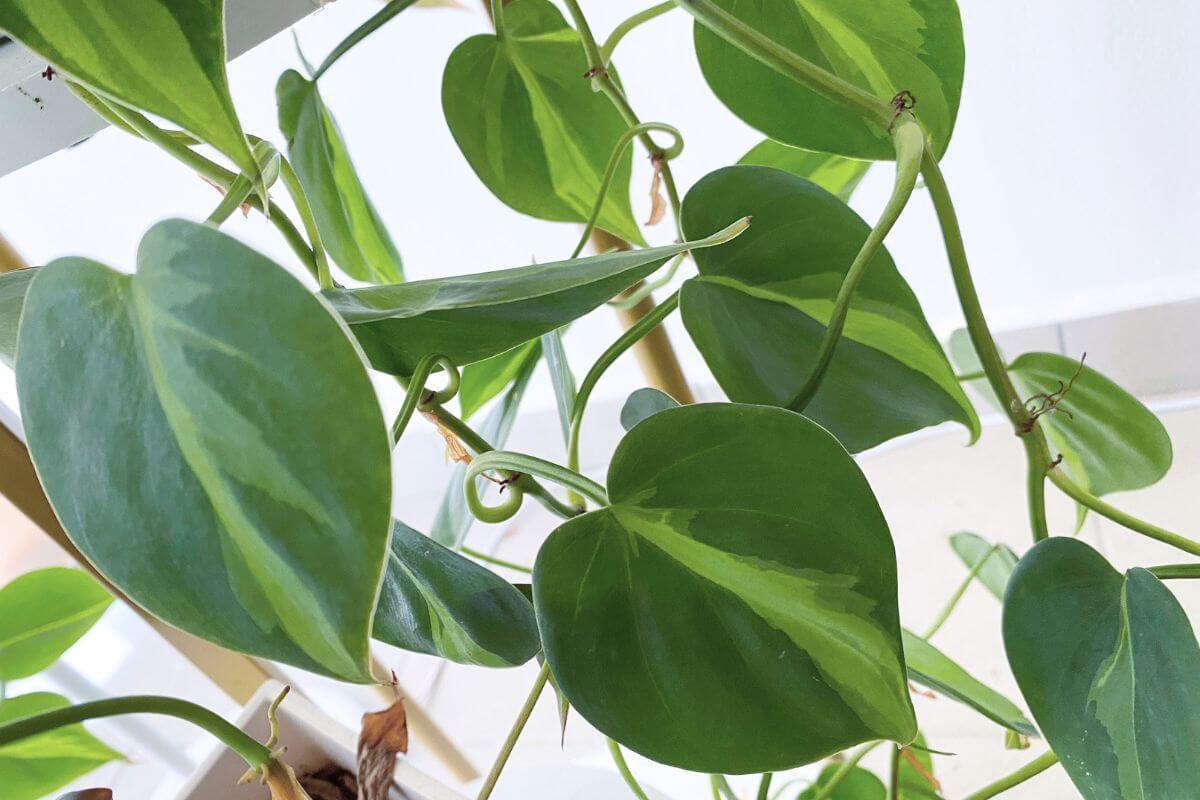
column 350, row 228
column 468, row 318
column 757, row 312
column 13, row 286
column 1109, row 440
column 33, row 768
column 42, row 613
column 734, row 531
column 211, row 416
column 435, row 601
column 160, row 56
column 859, row 784
column 1111, row 670
column 884, row 47
column 643, row 404
column 526, row 118
column 834, row 174
column 935, row 670
column 996, row 570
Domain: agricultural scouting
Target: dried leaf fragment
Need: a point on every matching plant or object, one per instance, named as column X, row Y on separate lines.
column 658, row 203
column 88, row 794
column 920, row 769
column 384, row 735
column 455, row 450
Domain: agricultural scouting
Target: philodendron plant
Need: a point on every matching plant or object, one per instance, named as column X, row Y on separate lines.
column 205, row 427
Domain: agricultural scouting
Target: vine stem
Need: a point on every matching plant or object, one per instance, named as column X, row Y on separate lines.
column 623, row 28
column 1168, row 572
column 256, row 755
column 491, row 559
column 1035, row 767
column 390, row 9
column 894, row 774
column 944, row 615
column 623, row 768
column 417, row 394
column 720, row 788
column 1086, row 498
column 489, row 783
column 764, row 787
column 520, row 464
column 909, row 141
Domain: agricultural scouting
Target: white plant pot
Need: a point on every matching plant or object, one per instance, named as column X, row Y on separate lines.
column 312, row 738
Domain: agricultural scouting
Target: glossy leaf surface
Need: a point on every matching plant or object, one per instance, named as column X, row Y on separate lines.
column 168, row 413
column 933, row 669
column 32, row 768
column 883, row 47
column 758, row 309
column 349, row 226
column 834, row 174
column 644, row 403
column 468, row 318
column 42, row 613
column 1110, row 668
column 164, row 57
column 435, row 601
column 13, row 286
column 859, row 784
column 733, row 531
column 484, row 380
column 998, row 568
column 531, row 126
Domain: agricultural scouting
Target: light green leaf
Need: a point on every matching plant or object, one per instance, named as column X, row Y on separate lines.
column 530, row 125
column 160, row 56
column 859, row 784
column 998, row 568
column 435, row 601
column 1110, row 668
column 734, row 531
column 210, row 406
column 834, row 174
column 485, row 379
column 453, row 520
column 758, row 309
column 913, row 783
column 561, row 379
column 883, row 47
column 32, row 768
column 935, row 670
column 42, row 613
column 644, row 403
column 13, row 286
column 349, row 226
column 468, row 318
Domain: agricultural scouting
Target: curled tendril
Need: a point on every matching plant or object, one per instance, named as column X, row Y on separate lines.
column 518, row 466
column 447, row 392
column 480, row 510
column 419, row 395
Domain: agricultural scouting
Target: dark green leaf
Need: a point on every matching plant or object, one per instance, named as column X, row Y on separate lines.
column 884, row 47
column 32, row 768
column 834, row 174
column 529, row 123
column 468, row 318
column 758, row 308
column 734, row 531
column 1110, row 668
column 42, row 613
column 644, row 403
column 13, row 286
column 453, row 520
column 211, row 416
column 859, row 784
column 998, row 568
column 485, row 379
column 350, row 228
column 935, row 670
column 435, row 601
column 160, row 56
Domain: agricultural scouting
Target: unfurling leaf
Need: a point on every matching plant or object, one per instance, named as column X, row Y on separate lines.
column 383, row 736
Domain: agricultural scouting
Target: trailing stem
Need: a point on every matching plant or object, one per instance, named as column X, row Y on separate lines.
column 519, row 465
column 626, row 774
column 944, row 615
column 1035, row 767
column 489, row 783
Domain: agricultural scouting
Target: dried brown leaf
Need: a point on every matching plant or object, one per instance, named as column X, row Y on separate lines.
column 920, row 769
column 245, row 206
column 455, row 451
column 88, row 794
column 658, row 203
column 384, row 735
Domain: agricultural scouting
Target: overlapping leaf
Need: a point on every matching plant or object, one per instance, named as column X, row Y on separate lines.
column 468, row 318
column 13, row 286
column 734, row 531
column 834, row 174
column 164, row 57
column 435, row 601
column 528, row 122
column 643, row 404
column 42, row 613
column 484, row 380
column 210, row 406
column 884, row 47
column 34, row 767
column 859, row 784
column 349, row 226
column 757, row 312
column 1110, row 668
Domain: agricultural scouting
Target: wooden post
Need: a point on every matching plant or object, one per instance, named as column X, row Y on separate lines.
column 10, row 259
